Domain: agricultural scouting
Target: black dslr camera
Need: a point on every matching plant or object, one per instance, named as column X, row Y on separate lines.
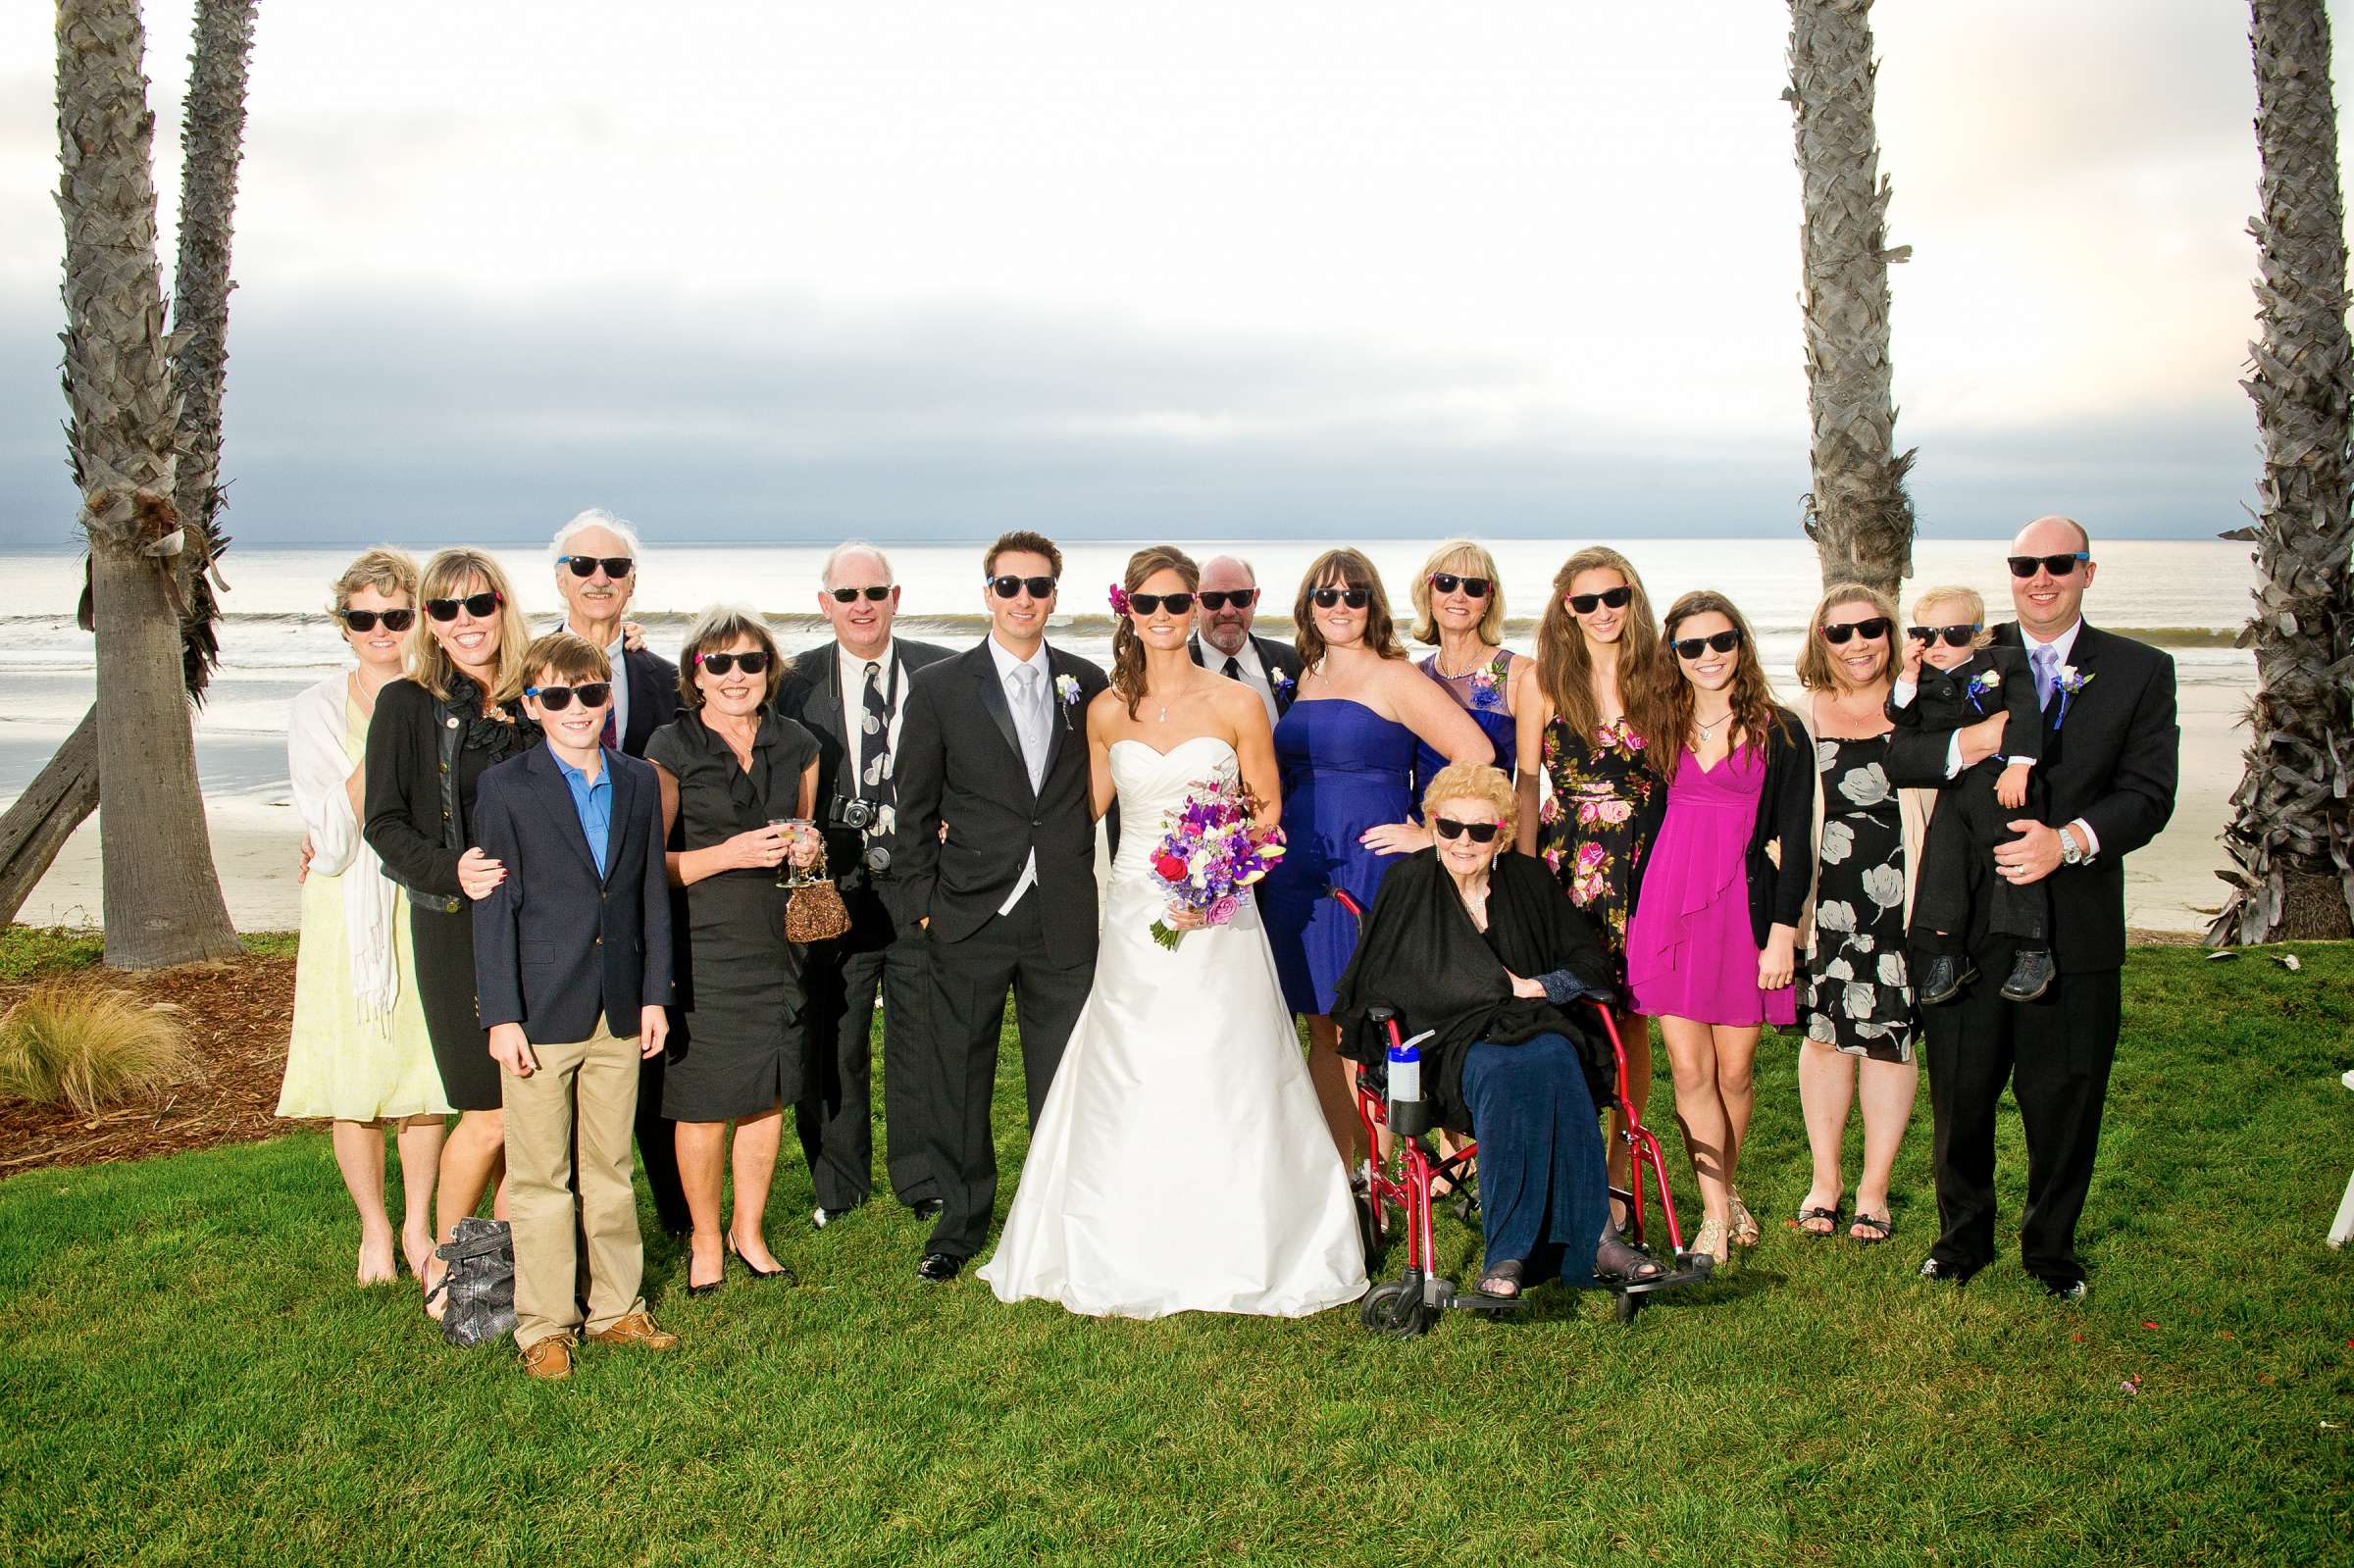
column 852, row 813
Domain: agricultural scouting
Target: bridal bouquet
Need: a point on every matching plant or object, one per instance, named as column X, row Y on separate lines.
column 1208, row 853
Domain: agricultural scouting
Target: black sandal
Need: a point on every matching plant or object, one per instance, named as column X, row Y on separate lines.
column 1829, row 1217
column 1883, row 1224
column 1503, row 1279
column 1617, row 1261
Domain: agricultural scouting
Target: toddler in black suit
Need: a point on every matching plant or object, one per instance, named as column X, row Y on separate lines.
column 1953, row 679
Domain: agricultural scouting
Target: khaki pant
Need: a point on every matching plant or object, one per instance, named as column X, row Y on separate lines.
column 599, row 1077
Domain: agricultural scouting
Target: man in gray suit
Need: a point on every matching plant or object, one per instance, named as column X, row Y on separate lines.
column 849, row 692
column 1229, row 594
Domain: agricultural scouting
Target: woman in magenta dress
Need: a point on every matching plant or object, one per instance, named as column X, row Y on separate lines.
column 1345, row 751
column 1713, row 942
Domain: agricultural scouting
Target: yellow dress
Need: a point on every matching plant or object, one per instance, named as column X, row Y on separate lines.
column 338, row 1064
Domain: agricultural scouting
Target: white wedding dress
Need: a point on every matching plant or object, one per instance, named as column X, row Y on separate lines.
column 1181, row 1163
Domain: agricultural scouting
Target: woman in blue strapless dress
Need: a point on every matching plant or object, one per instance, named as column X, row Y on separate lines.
column 1345, row 752
column 1459, row 609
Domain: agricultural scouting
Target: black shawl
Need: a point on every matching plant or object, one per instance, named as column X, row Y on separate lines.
column 1420, row 954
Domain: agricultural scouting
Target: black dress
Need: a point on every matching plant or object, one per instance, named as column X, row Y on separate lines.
column 1859, row 991
column 734, row 1042
column 425, row 757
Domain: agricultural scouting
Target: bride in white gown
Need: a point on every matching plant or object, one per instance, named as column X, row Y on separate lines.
column 1181, row 1162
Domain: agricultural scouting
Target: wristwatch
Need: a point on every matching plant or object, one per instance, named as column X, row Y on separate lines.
column 2071, row 852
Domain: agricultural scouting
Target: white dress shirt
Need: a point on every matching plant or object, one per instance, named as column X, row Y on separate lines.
column 621, row 690
column 854, row 701
column 1255, row 671
column 1007, row 664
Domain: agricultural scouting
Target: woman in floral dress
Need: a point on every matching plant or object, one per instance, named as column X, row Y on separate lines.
column 1598, row 648
column 1856, row 1003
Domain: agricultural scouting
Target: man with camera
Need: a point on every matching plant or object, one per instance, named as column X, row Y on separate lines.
column 849, row 692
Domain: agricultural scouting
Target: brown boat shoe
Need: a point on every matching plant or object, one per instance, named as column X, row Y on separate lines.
column 550, row 1359
column 637, row 1329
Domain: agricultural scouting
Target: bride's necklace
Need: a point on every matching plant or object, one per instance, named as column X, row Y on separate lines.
column 1708, row 731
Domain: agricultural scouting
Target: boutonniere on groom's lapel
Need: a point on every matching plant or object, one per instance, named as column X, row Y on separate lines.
column 2067, row 680
column 1066, row 689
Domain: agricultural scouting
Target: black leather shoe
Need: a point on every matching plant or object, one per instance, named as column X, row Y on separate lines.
column 938, row 1267
column 1949, row 1271
column 2068, row 1293
column 927, row 1208
column 1942, row 980
column 2031, row 975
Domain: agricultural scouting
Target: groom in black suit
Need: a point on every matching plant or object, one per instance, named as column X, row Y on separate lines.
column 993, row 855
column 2109, row 766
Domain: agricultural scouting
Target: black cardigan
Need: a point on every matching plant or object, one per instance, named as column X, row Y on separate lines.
column 1777, row 895
column 424, row 758
column 1420, row 955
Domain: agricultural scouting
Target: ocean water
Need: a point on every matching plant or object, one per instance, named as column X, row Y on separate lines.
column 276, row 637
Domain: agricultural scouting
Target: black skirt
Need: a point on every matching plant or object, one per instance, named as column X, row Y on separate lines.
column 444, row 947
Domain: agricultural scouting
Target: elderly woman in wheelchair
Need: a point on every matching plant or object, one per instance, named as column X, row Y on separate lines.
column 1478, row 945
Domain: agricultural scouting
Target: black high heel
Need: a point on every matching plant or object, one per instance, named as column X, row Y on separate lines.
column 780, row 1275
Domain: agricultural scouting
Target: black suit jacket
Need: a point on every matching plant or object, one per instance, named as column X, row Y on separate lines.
column 811, row 693
column 960, row 762
column 2110, row 755
column 1944, row 700
column 654, row 696
column 555, row 944
column 1274, row 657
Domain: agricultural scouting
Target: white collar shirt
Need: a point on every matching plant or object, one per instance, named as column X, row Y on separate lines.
column 853, row 674
column 1247, row 660
column 1007, row 664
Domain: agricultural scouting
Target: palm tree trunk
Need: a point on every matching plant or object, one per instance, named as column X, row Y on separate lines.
column 162, row 900
column 212, row 135
column 2292, row 824
column 1858, row 514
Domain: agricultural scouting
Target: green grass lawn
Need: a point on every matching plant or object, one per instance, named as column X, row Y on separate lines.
column 188, row 1375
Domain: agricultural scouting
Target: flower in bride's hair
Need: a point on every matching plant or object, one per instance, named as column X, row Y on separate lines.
column 1119, row 599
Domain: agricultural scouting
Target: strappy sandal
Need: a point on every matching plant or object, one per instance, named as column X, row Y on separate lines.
column 433, row 1293
column 1746, row 1232
column 1617, row 1261
column 1503, row 1279
column 1882, row 1224
column 1713, row 1239
column 1830, row 1217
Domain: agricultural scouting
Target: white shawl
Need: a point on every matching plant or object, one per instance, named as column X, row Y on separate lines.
column 317, row 766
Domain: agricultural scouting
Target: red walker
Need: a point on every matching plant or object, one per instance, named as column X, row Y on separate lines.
column 1407, row 1305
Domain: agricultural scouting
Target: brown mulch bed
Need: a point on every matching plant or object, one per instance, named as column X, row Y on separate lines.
column 237, row 1015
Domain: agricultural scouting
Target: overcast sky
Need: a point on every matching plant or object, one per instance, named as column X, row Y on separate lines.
column 1219, row 268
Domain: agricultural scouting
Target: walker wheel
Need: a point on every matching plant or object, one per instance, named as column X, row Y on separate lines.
column 1394, row 1308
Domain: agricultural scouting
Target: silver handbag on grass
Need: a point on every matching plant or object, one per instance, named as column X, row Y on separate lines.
column 480, row 1283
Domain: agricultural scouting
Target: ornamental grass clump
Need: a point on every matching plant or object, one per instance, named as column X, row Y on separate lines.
column 76, row 1044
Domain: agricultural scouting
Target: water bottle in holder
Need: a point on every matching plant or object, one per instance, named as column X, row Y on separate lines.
column 1407, row 1113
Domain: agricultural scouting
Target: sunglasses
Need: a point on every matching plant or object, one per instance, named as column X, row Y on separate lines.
column 366, row 620
column 555, row 699
column 1585, row 603
column 873, row 595
column 1870, row 628
column 1009, row 587
column 476, row 605
column 585, row 565
column 1480, row 832
column 2058, row 566
column 751, row 663
column 1355, row 598
column 1220, row 598
column 1956, row 636
column 1147, row 603
column 1722, row 642
column 1473, row 587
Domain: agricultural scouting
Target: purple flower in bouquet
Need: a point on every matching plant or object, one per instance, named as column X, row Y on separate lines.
column 1209, row 852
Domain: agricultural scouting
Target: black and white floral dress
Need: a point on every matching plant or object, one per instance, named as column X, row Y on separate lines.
column 1859, row 993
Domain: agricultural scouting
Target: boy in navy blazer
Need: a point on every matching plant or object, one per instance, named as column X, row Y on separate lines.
column 572, row 971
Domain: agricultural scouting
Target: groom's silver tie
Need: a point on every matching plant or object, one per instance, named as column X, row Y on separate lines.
column 1030, row 719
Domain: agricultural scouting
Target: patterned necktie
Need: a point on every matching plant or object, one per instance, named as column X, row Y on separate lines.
column 2046, row 662
column 874, row 750
column 1233, row 667
column 611, row 740
column 1030, row 719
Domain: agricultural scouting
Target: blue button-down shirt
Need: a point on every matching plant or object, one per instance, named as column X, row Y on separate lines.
column 594, row 804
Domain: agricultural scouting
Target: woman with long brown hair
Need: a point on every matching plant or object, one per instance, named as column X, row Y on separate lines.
column 1585, row 726
column 432, row 737
column 1345, row 751
column 1713, row 942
